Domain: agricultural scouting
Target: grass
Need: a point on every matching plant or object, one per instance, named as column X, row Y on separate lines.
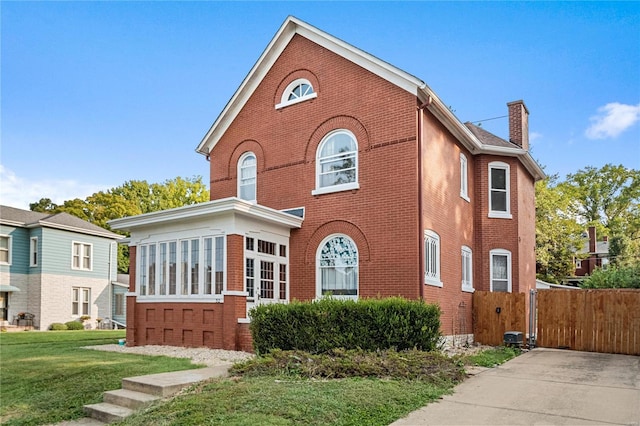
column 47, row 377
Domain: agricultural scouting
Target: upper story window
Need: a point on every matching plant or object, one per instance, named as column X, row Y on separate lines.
column 467, row 269
column 337, row 267
column 464, row 178
column 500, row 270
column 499, row 197
column 247, row 170
column 81, row 256
column 432, row 258
column 33, row 251
column 5, row 250
column 337, row 163
column 297, row 91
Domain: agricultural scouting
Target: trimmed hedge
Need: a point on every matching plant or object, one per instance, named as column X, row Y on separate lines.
column 57, row 326
column 370, row 324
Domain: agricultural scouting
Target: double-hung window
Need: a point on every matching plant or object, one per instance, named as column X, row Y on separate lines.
column 247, row 177
column 33, row 251
column 5, row 249
column 464, row 178
column 80, row 301
column 432, row 258
column 337, row 163
column 500, row 270
column 81, row 255
column 467, row 269
column 499, row 197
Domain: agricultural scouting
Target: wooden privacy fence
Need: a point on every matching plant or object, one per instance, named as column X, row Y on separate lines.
column 496, row 313
column 589, row 320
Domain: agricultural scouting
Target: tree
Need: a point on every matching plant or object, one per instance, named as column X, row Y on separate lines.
column 558, row 234
column 132, row 198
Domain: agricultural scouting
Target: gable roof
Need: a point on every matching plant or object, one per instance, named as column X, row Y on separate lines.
column 28, row 219
column 394, row 75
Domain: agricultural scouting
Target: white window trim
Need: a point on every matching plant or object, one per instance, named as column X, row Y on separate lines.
column 201, row 296
column 335, row 188
column 464, row 178
column 33, row 249
column 9, row 249
column 435, row 281
column 319, row 294
column 80, row 302
column 497, row 213
column 467, row 286
column 82, row 245
column 240, row 161
column 500, row 252
column 578, row 263
column 284, row 100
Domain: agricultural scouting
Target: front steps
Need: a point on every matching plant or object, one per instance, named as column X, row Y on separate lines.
column 141, row 391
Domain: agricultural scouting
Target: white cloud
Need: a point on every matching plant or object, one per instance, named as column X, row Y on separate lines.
column 16, row 191
column 612, row 119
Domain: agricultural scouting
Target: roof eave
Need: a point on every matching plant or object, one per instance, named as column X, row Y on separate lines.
column 97, row 233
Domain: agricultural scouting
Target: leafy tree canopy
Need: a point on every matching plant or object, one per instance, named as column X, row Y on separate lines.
column 132, row 198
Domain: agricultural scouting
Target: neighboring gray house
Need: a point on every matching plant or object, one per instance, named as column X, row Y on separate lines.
column 56, row 268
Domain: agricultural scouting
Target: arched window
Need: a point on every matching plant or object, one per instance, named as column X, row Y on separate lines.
column 432, row 258
column 247, row 169
column 297, row 91
column 337, row 163
column 337, row 267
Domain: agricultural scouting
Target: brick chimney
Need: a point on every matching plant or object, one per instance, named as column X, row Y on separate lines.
column 592, row 239
column 519, row 124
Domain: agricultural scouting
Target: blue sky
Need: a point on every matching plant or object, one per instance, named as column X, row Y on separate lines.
column 97, row 93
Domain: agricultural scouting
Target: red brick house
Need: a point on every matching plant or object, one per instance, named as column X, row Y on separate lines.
column 594, row 254
column 335, row 173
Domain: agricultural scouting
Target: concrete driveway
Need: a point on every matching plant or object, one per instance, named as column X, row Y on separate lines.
column 543, row 387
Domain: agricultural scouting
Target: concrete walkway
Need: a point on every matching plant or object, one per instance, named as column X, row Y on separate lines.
column 543, row 386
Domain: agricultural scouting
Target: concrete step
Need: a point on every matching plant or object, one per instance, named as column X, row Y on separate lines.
column 106, row 412
column 128, row 398
column 167, row 384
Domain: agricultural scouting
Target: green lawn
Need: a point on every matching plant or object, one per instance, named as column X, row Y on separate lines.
column 46, row 377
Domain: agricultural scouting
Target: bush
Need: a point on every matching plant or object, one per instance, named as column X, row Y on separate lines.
column 74, row 325
column 57, row 326
column 614, row 277
column 373, row 324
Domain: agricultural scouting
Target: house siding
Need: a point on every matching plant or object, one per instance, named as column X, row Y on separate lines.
column 19, row 250
column 57, row 246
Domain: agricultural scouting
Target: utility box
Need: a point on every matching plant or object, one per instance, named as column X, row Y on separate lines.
column 513, row 338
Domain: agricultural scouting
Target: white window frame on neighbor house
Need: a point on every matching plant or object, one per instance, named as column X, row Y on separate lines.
column 6, row 249
column 118, row 304
column 467, row 269
column 464, row 178
column 80, row 301
column 81, row 255
column 494, row 213
column 578, row 263
column 248, row 177
column 492, row 269
column 290, row 97
column 432, row 258
column 338, row 260
column 187, row 267
column 323, row 159
column 33, row 251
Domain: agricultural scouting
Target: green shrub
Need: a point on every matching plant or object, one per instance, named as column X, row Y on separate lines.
column 57, row 326
column 614, row 277
column 370, row 324
column 74, row 325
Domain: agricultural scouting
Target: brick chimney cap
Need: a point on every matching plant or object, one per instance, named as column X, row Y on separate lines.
column 519, row 102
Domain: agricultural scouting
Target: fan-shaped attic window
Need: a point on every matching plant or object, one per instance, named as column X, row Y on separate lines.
column 299, row 90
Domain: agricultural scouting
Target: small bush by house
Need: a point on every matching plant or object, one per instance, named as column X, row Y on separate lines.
column 57, row 326
column 370, row 324
column 74, row 325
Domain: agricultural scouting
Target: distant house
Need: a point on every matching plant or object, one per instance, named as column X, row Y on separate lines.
column 593, row 254
column 334, row 173
column 55, row 268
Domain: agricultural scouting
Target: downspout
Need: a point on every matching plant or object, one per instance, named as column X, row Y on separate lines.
column 420, row 215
